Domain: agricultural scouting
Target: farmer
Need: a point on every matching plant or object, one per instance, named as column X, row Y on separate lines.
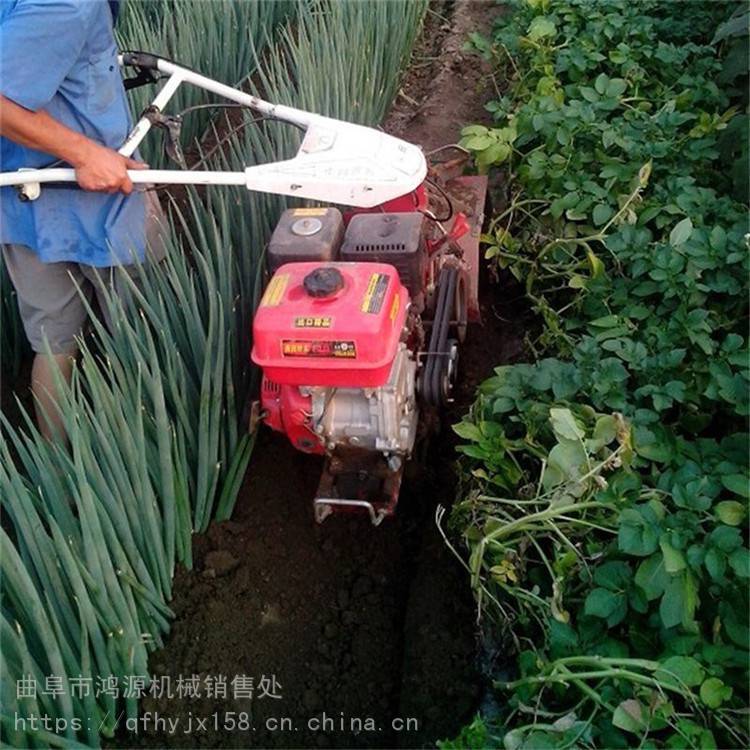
column 62, row 99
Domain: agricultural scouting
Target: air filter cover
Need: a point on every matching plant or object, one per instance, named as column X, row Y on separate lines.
column 395, row 238
column 305, row 234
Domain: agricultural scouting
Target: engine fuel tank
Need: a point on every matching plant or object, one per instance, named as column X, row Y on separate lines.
column 330, row 324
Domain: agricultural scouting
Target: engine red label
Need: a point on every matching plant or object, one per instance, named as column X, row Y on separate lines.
column 333, row 349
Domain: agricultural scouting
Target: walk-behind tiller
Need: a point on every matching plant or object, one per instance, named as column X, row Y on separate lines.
column 359, row 327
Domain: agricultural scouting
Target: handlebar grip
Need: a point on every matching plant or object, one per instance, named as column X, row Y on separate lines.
column 143, row 60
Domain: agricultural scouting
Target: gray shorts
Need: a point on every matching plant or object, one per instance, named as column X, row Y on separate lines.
column 48, row 298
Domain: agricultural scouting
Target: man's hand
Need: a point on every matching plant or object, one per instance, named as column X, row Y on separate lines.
column 104, row 170
column 97, row 167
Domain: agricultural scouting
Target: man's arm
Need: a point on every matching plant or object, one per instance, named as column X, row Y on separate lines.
column 97, row 167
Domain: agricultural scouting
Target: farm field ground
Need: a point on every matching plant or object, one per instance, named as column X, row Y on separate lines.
column 352, row 621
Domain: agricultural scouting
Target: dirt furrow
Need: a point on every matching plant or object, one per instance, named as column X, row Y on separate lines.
column 349, row 626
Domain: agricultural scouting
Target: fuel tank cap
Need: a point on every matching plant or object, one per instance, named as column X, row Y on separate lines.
column 323, row 281
column 306, row 227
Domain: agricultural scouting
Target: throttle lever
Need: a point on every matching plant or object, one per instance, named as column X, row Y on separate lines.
column 460, row 227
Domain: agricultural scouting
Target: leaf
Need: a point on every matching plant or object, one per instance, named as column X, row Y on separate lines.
column 474, row 130
column 589, row 94
column 565, row 425
column 478, row 142
column 514, row 739
column 726, row 538
column 614, row 575
column 651, row 445
column 643, row 176
column 730, row 512
column 494, row 154
column 601, row 214
column 681, row 671
column 602, row 603
column 540, row 28
column 652, row 577
column 538, row 740
column 606, row 428
column 737, row 25
column 737, row 483
column 596, row 266
column 716, row 563
column 468, row 431
column 563, row 639
column 564, row 463
column 637, row 534
column 681, row 232
column 714, row 692
column 605, row 431
column 740, row 562
column 674, row 560
column 600, row 84
column 615, row 87
column 629, row 716
column 577, row 282
column 677, row 606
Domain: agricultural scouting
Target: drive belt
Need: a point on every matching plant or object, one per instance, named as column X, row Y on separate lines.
column 438, row 353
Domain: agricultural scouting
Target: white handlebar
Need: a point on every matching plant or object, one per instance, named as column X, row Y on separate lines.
column 137, row 176
column 338, row 162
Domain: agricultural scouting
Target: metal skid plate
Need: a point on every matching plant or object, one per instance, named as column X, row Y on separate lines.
column 468, row 194
column 358, row 481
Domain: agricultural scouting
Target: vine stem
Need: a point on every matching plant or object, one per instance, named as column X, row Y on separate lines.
column 600, row 236
column 568, row 676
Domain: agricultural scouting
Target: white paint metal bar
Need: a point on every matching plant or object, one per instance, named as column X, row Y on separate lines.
column 279, row 111
column 139, row 132
column 137, row 176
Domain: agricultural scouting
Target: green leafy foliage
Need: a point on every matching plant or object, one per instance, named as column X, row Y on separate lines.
column 490, row 146
column 620, row 559
column 604, row 500
column 618, row 225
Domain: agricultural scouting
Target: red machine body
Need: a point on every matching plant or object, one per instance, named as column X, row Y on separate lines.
column 414, row 201
column 288, row 410
column 358, row 331
column 346, row 337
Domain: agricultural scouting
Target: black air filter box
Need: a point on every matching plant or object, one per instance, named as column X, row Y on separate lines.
column 394, row 238
column 306, row 234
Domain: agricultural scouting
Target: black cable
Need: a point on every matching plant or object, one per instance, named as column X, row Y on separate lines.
column 211, row 105
column 211, row 151
column 446, row 198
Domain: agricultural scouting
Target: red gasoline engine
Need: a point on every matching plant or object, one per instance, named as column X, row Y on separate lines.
column 359, row 327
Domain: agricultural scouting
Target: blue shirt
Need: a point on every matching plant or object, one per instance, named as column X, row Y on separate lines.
column 60, row 56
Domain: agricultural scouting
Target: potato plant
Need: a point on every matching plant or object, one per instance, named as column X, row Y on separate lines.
column 604, row 499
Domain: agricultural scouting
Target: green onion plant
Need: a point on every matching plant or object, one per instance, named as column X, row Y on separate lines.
column 95, row 524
